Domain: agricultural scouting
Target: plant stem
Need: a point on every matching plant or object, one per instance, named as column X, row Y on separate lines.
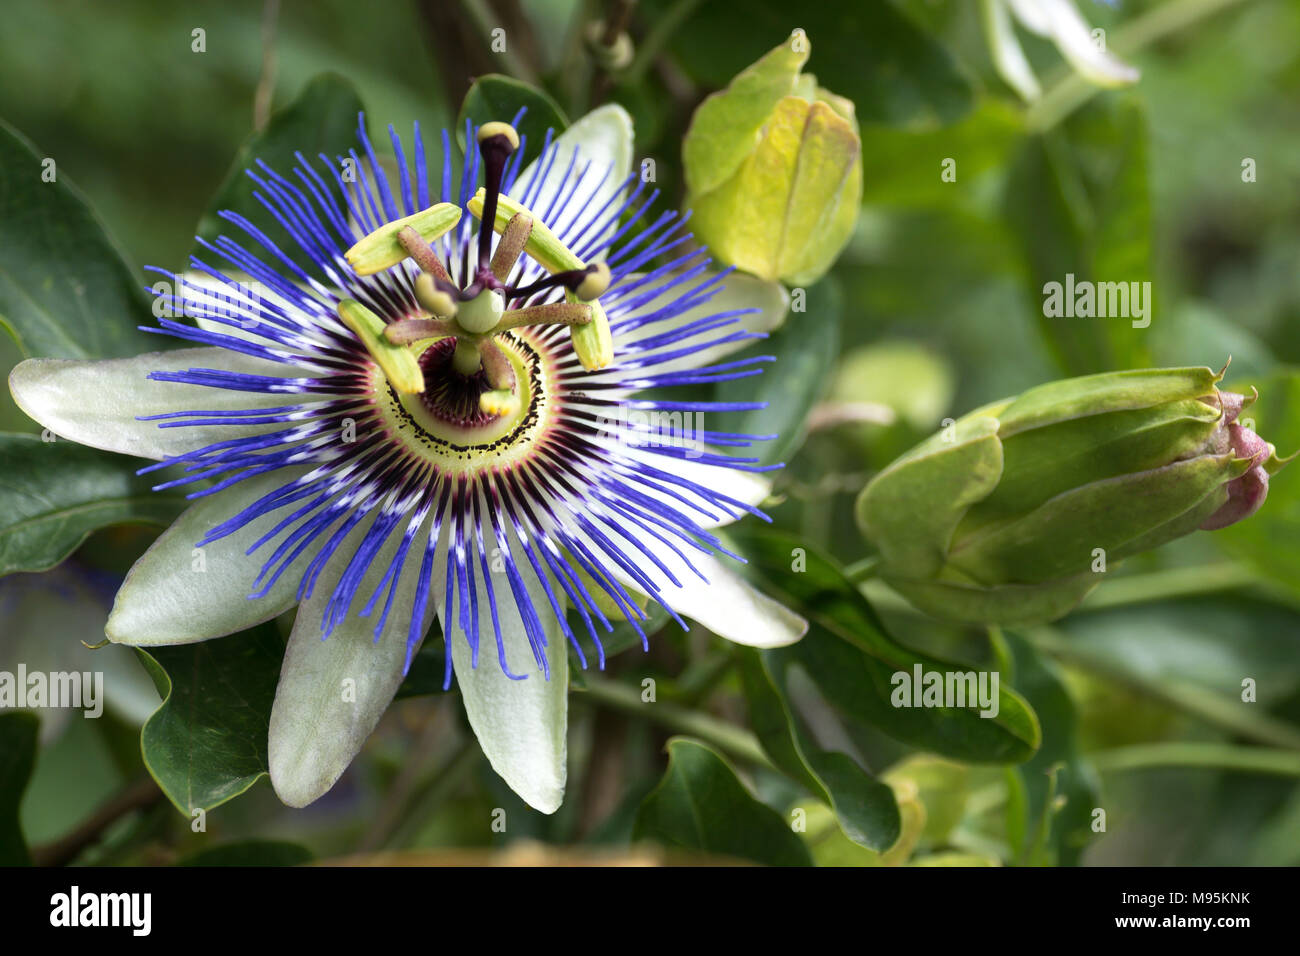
column 736, row 741
column 140, row 795
column 1156, row 24
column 1267, row 760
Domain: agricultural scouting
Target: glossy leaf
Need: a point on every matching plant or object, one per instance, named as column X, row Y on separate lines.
column 497, row 98
column 701, row 805
column 56, row 493
column 865, row 808
column 852, row 659
column 207, row 742
column 65, row 289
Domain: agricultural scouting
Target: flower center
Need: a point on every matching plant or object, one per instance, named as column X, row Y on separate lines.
column 447, row 425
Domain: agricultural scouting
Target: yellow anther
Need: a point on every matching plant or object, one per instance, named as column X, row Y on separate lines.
column 382, row 250
column 397, row 362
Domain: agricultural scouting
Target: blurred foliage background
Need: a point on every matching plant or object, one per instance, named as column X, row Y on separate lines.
column 933, row 309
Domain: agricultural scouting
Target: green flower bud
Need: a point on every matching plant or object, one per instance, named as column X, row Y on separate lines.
column 773, row 169
column 1012, row 513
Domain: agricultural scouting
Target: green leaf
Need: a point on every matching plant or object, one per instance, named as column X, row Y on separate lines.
column 497, row 98
column 1078, row 199
column 852, row 659
column 701, row 805
column 56, row 493
column 805, row 348
column 251, row 853
column 66, row 290
column 207, row 742
column 1067, row 828
column 865, row 808
column 18, row 733
column 322, row 119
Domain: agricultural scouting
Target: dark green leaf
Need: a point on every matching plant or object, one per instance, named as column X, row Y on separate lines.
column 1065, row 829
column 805, row 348
column 701, row 805
column 497, row 98
column 852, row 659
column 54, row 494
column 1078, row 200
column 865, row 807
column 323, row 119
column 207, row 742
column 251, row 853
column 65, row 288
column 17, row 759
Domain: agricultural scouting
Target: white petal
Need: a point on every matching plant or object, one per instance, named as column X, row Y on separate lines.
column 520, row 724
column 332, row 692
column 727, row 604
column 1032, row 14
column 177, row 595
column 1073, row 38
column 737, row 292
column 1008, row 55
column 722, row 601
column 602, row 138
column 97, row 402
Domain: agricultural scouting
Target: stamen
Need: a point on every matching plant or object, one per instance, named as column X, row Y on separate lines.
column 543, row 246
column 399, row 364
column 496, row 366
column 513, row 239
column 496, row 141
column 501, row 401
column 553, row 313
column 382, row 249
column 422, row 253
column 408, row 331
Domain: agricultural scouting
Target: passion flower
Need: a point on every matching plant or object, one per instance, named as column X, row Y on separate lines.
column 1014, row 512
column 405, row 416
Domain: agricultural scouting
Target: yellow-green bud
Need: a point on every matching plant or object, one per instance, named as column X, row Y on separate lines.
column 773, row 169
